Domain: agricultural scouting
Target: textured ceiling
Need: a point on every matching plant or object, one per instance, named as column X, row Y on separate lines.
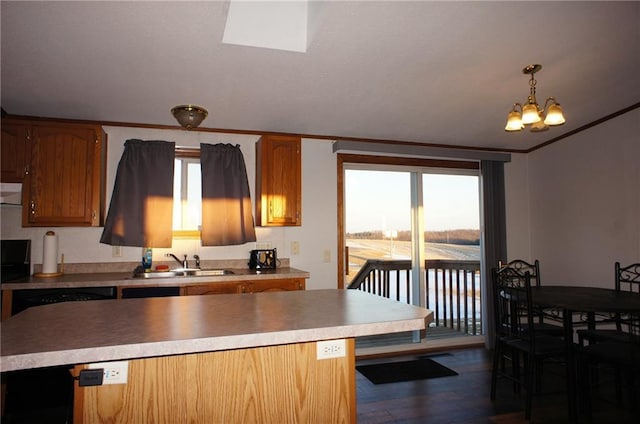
column 430, row 72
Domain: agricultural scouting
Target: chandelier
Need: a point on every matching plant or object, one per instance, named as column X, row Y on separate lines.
column 531, row 113
column 189, row 116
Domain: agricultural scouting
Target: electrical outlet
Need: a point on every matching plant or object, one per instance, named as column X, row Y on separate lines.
column 116, row 251
column 326, row 256
column 328, row 349
column 295, row 247
column 114, row 372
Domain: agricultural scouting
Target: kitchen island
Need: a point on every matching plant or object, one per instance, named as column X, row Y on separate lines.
column 223, row 358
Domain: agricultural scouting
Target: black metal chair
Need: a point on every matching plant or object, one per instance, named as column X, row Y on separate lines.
column 626, row 279
column 519, row 267
column 517, row 336
column 621, row 355
column 617, row 349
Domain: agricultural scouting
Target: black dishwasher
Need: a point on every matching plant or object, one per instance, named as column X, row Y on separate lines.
column 23, row 299
column 138, row 292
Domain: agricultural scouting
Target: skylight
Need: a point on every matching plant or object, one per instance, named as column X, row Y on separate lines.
column 281, row 25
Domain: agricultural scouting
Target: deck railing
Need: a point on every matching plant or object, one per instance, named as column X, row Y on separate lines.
column 452, row 289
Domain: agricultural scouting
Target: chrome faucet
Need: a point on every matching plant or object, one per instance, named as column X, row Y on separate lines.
column 185, row 263
column 197, row 258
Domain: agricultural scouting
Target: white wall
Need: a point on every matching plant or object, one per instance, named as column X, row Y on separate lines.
column 317, row 234
column 583, row 202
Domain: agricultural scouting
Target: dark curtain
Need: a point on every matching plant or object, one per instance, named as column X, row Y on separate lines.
column 141, row 209
column 227, row 218
column 495, row 233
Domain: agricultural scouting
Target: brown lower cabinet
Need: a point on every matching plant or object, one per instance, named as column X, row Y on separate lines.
column 226, row 287
column 213, row 288
column 273, row 285
column 254, row 286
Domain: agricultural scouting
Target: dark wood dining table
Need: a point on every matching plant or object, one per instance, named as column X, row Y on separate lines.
column 574, row 304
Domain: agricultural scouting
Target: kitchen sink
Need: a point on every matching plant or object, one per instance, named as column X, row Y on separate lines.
column 158, row 274
column 210, row 272
column 183, row 272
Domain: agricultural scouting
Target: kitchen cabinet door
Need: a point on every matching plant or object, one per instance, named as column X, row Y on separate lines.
column 65, row 185
column 15, row 149
column 213, row 288
column 287, row 284
column 278, row 181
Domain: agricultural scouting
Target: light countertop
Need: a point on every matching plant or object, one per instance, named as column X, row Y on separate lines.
column 119, row 279
column 121, row 329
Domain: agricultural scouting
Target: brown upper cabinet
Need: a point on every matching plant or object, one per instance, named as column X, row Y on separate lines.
column 63, row 184
column 278, row 181
column 15, row 151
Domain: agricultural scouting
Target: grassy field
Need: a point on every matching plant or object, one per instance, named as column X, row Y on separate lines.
column 362, row 249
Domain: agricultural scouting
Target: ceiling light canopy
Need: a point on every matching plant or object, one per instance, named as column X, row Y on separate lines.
column 189, row 116
column 531, row 113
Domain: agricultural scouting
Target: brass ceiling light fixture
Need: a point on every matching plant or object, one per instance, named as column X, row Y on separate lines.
column 189, row 116
column 531, row 113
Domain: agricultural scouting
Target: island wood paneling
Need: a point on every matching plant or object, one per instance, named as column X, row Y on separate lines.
column 274, row 384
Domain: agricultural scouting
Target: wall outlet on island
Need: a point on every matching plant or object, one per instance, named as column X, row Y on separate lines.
column 328, row 349
column 114, row 372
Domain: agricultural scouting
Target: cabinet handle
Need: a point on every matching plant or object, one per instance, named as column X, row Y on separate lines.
column 93, row 216
column 26, row 170
column 270, row 208
column 33, row 207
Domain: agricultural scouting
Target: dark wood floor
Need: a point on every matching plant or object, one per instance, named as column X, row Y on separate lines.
column 458, row 399
column 465, row 398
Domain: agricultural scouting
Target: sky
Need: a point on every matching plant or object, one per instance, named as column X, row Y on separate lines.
column 381, row 200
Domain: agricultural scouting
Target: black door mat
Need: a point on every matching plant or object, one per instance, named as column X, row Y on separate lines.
column 394, row 372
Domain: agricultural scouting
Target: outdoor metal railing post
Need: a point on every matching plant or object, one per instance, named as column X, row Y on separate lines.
column 449, row 279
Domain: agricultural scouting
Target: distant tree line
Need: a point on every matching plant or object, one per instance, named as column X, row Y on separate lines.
column 460, row 236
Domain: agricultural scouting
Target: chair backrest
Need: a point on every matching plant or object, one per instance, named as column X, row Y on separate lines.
column 628, row 277
column 521, row 267
column 513, row 307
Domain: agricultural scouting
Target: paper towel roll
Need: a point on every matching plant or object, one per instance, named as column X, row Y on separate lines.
column 50, row 253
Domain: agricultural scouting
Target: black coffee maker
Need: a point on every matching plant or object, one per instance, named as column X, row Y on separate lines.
column 263, row 259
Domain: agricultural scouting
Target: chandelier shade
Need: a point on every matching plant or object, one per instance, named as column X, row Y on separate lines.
column 514, row 121
column 531, row 113
column 554, row 115
column 189, row 116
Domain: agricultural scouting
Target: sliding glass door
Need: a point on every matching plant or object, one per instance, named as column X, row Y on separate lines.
column 398, row 218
